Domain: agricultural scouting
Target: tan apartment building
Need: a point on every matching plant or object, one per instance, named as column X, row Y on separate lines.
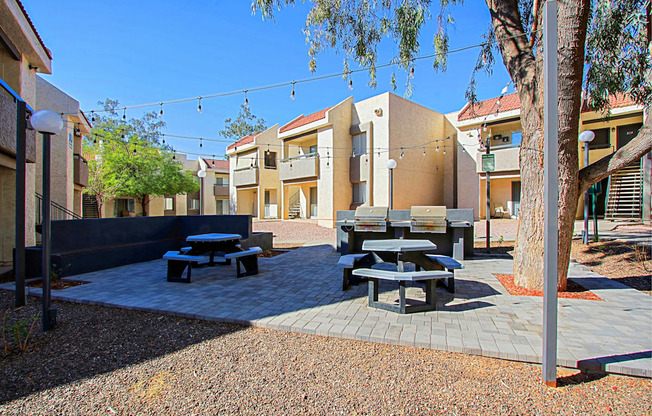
column 499, row 122
column 335, row 159
column 68, row 168
column 212, row 197
column 255, row 187
column 22, row 55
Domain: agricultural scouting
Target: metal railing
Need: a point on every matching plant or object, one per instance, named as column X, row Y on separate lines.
column 57, row 212
column 307, row 155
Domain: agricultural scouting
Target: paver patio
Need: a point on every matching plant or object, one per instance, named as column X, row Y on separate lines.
column 301, row 291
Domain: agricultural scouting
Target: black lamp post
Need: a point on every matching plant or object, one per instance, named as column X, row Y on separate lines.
column 47, row 123
column 586, row 137
column 391, row 165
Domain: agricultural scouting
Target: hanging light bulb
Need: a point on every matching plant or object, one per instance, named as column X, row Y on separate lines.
column 124, row 113
column 134, row 150
column 292, row 94
column 213, row 161
column 504, row 90
column 161, row 111
column 94, row 140
column 350, row 83
column 199, row 106
column 290, row 165
column 246, row 99
column 353, row 152
column 437, row 148
column 268, row 149
column 402, row 154
column 444, row 151
column 366, row 158
column 484, row 127
column 412, row 71
column 164, row 139
column 174, row 154
column 93, row 116
column 200, row 143
column 424, row 152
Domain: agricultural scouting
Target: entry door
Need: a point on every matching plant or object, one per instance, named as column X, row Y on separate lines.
column 313, row 201
column 516, row 198
column 627, row 133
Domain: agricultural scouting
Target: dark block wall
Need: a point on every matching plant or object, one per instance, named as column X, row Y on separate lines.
column 81, row 246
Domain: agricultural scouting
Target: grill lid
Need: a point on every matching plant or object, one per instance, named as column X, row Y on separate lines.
column 428, row 219
column 367, row 213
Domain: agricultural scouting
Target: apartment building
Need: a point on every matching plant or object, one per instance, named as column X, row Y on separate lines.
column 498, row 121
column 335, row 159
column 22, row 55
column 212, row 197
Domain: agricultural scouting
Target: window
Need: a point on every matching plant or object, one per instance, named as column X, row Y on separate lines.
column 360, row 193
column 221, row 181
column 601, row 140
column 193, row 204
column 360, row 144
column 270, row 160
column 516, row 138
column 169, row 203
column 222, row 206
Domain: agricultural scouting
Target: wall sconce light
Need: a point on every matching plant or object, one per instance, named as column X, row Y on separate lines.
column 378, row 112
column 613, row 129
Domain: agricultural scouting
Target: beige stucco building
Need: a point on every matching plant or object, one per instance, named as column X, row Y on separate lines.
column 498, row 120
column 335, row 159
column 22, row 55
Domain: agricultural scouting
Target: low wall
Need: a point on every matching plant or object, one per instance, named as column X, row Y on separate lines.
column 86, row 245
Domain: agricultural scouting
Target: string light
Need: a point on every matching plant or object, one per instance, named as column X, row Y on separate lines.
column 412, row 71
column 201, row 143
column 402, row 154
column 161, row 111
column 350, row 83
column 213, row 161
column 164, row 139
column 246, row 99
column 134, row 150
column 292, row 94
column 124, row 113
column 437, row 148
column 267, row 149
column 424, row 152
column 93, row 116
column 199, row 106
column 444, row 150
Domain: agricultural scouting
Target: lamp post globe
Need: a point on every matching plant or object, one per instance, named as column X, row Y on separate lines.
column 46, row 121
column 391, row 164
column 587, row 136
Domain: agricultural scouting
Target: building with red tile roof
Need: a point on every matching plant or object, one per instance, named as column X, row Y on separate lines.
column 304, row 120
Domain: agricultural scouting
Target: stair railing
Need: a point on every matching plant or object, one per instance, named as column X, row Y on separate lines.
column 294, row 199
column 57, row 212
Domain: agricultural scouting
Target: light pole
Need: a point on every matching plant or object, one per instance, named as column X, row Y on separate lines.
column 586, row 137
column 391, row 165
column 47, row 123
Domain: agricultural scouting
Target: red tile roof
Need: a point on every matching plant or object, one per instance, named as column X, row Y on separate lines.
column 487, row 107
column 303, row 120
column 513, row 102
column 615, row 101
column 243, row 141
column 47, row 51
column 219, row 164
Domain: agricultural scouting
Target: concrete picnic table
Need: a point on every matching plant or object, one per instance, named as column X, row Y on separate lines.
column 214, row 243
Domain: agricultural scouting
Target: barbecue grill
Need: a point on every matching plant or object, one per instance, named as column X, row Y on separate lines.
column 372, row 219
column 428, row 219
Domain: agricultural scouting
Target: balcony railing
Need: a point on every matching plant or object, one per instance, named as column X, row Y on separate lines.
column 245, row 176
column 80, row 170
column 221, row 190
column 299, row 167
column 505, row 157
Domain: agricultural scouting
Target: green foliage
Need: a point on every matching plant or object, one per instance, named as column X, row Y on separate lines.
column 20, row 331
column 245, row 124
column 616, row 52
column 126, row 159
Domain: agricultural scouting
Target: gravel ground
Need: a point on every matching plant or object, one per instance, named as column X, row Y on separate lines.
column 296, row 231
column 111, row 361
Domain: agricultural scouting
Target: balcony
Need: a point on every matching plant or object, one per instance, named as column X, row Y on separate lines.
column 8, row 128
column 300, row 167
column 80, row 167
column 221, row 190
column 245, row 176
column 359, row 169
column 506, row 159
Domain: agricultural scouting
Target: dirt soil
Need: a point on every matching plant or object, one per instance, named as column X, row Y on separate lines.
column 624, row 262
column 102, row 361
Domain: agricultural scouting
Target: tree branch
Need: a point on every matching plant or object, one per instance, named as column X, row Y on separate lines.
column 634, row 150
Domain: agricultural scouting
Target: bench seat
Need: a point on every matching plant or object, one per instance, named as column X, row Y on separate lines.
column 429, row 277
column 245, row 259
column 450, row 264
column 178, row 262
column 347, row 262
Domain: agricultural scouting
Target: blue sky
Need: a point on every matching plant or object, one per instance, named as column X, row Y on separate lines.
column 150, row 51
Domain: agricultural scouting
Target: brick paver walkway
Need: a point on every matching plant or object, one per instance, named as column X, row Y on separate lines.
column 301, row 291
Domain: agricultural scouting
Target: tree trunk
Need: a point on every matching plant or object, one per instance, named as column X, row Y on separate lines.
column 144, row 201
column 528, row 76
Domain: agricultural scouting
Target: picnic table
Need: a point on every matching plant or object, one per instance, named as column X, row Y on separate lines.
column 214, row 243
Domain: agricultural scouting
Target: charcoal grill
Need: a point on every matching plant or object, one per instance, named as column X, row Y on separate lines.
column 370, row 219
column 428, row 219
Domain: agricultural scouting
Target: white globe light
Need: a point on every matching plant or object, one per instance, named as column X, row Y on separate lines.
column 587, row 136
column 391, row 164
column 46, row 121
column 201, row 173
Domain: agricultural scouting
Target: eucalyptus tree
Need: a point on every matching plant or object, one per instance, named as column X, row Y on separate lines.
column 614, row 59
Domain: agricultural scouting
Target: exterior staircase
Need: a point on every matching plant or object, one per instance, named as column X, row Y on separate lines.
column 625, row 195
column 294, row 206
column 89, row 206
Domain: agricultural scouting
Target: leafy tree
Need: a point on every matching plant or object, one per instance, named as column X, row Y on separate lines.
column 245, row 124
column 126, row 159
column 614, row 60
